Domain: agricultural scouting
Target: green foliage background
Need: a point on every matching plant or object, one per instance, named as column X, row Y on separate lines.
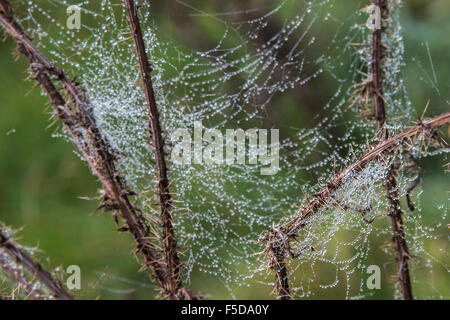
column 42, row 179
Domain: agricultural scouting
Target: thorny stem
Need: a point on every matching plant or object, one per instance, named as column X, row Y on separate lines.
column 174, row 286
column 390, row 184
column 423, row 130
column 400, row 245
column 377, row 73
column 19, row 277
column 80, row 124
column 276, row 249
column 43, row 276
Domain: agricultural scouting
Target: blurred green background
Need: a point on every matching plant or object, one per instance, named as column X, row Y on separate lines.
column 42, row 179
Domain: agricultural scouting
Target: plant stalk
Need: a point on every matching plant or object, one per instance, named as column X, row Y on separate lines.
column 324, row 197
column 78, row 120
column 174, row 286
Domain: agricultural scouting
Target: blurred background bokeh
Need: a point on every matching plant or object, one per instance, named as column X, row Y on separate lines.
column 42, row 179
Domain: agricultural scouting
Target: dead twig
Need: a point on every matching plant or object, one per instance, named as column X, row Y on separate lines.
column 278, row 253
column 35, row 269
column 377, row 73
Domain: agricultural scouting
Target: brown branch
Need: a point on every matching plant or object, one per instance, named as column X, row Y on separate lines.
column 377, row 73
column 324, row 197
column 19, row 278
column 276, row 248
column 43, row 276
column 174, row 286
column 390, row 184
column 79, row 122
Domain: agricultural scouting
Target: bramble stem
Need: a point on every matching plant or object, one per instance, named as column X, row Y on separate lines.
column 42, row 275
column 78, row 120
column 174, row 286
column 390, row 184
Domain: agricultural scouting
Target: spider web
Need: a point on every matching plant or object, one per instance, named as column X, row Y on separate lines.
column 240, row 82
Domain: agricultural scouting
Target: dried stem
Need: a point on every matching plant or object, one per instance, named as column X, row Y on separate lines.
column 79, row 122
column 390, row 184
column 423, row 129
column 276, row 248
column 321, row 199
column 174, row 285
column 40, row 274
column 18, row 276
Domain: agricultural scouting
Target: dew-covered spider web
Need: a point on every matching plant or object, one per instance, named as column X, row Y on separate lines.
column 287, row 65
